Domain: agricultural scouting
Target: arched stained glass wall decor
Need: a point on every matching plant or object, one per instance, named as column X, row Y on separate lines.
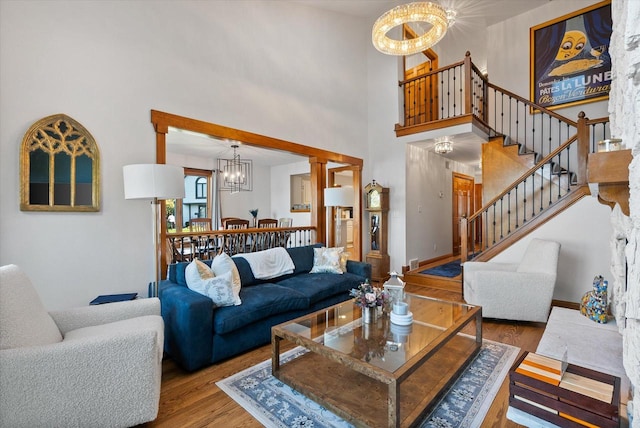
column 59, row 167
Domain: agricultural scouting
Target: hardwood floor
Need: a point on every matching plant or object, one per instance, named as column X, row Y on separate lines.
column 194, row 400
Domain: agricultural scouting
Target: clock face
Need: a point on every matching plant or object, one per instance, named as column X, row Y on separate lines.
column 374, row 199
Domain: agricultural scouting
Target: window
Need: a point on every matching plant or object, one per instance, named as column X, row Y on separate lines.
column 59, row 167
column 197, row 201
column 201, row 188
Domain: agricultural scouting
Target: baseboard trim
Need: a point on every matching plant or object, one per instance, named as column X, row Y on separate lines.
column 565, row 304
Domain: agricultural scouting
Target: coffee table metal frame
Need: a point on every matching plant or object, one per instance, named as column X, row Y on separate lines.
column 392, row 379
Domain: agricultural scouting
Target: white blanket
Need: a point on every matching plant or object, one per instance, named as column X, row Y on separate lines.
column 269, row 263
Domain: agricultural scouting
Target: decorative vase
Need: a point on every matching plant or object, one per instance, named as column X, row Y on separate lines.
column 369, row 315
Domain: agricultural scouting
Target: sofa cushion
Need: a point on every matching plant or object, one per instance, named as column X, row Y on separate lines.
column 223, row 264
column 327, row 260
column 303, row 258
column 319, row 286
column 24, row 320
column 258, row 302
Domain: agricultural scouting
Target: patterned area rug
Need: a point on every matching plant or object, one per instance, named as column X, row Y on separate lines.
column 275, row 404
column 449, row 270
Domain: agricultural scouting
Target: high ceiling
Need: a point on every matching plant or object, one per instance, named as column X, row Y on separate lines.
column 470, row 15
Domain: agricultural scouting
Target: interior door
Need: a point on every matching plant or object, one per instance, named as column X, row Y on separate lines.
column 421, row 94
column 463, row 206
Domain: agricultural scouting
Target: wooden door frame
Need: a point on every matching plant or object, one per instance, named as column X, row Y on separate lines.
column 318, row 159
column 357, row 209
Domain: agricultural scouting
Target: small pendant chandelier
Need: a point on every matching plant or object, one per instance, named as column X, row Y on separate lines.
column 443, row 145
column 237, row 174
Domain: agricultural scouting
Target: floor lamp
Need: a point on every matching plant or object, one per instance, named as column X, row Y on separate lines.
column 338, row 197
column 154, row 182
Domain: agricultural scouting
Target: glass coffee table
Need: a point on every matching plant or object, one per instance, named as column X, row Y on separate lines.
column 379, row 374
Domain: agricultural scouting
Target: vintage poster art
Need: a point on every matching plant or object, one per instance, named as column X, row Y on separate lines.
column 570, row 62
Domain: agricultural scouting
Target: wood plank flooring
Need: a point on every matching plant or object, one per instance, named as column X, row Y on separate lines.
column 194, row 400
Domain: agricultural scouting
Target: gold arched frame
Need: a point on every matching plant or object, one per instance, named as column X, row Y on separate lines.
column 51, row 136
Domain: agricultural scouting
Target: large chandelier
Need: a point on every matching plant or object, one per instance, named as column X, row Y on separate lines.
column 237, row 174
column 443, row 145
column 427, row 12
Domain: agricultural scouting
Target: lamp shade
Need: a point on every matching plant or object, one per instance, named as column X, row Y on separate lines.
column 338, row 196
column 148, row 181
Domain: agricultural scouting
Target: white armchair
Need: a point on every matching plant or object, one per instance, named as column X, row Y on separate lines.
column 520, row 291
column 94, row 366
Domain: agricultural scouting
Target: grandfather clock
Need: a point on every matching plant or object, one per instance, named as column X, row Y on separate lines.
column 377, row 206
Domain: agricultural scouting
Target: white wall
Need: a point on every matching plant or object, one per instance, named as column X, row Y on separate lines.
column 281, row 192
column 584, row 231
column 252, row 65
column 429, row 210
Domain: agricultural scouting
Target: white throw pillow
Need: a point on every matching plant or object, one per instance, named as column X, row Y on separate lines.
column 327, row 260
column 222, row 264
column 201, row 279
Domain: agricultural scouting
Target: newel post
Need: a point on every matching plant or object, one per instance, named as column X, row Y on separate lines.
column 464, row 239
column 468, row 73
column 583, row 147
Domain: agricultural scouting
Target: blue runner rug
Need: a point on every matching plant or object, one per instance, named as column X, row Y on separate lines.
column 449, row 270
column 276, row 405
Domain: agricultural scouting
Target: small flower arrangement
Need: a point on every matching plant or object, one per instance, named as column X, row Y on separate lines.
column 368, row 296
column 254, row 212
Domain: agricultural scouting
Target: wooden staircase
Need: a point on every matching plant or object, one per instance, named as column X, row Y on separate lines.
column 537, row 167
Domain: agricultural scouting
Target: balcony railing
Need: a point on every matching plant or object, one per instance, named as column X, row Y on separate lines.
column 205, row 245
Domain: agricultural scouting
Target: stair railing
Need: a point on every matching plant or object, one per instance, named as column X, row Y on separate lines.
column 560, row 146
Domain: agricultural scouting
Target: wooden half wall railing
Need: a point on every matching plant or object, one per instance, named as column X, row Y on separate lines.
column 460, row 93
column 205, row 245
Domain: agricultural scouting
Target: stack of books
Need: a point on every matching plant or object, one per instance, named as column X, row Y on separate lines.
column 559, row 392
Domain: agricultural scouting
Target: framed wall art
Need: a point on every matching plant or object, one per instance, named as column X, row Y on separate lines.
column 570, row 62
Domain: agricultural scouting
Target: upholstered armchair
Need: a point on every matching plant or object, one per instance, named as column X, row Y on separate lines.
column 93, row 366
column 519, row 291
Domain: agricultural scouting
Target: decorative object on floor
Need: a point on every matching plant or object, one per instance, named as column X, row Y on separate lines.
column 449, row 270
column 275, row 404
column 237, row 174
column 436, row 16
column 443, row 145
column 59, row 167
column 594, row 304
column 394, row 287
column 369, row 297
column 154, row 182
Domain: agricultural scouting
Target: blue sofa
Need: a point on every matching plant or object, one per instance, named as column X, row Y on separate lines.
column 198, row 334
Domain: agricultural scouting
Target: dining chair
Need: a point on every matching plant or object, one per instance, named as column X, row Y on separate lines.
column 267, row 222
column 266, row 240
column 285, row 222
column 200, row 224
column 236, row 243
column 283, row 237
